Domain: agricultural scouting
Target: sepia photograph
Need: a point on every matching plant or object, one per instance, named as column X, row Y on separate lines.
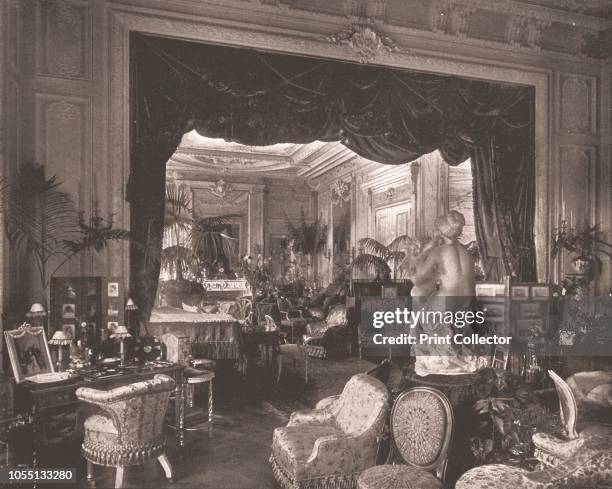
column 306, row 244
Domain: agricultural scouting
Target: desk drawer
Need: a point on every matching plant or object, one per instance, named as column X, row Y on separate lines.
column 59, row 398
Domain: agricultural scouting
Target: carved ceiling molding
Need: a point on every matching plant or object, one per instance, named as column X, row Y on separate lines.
column 364, row 40
column 340, row 191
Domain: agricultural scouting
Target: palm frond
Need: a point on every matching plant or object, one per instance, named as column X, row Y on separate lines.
column 401, row 242
column 307, row 237
column 177, row 210
column 175, row 257
column 215, row 223
column 209, row 240
column 369, row 262
column 372, row 246
column 40, row 216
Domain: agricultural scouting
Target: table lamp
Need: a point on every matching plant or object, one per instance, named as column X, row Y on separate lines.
column 121, row 333
column 37, row 313
column 60, row 339
column 130, row 306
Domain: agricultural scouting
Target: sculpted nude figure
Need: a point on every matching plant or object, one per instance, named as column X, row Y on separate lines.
column 443, row 278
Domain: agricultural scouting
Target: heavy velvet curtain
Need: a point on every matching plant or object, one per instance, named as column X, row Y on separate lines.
column 385, row 115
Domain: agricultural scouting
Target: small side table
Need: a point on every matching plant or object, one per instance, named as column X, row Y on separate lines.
column 193, row 377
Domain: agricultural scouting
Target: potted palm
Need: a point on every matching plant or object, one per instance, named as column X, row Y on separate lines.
column 307, row 238
column 42, row 220
column 586, row 244
column 191, row 245
column 383, row 260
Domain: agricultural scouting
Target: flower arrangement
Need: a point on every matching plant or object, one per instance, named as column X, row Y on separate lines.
column 258, row 273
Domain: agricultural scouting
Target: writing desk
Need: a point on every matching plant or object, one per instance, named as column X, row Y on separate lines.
column 36, row 400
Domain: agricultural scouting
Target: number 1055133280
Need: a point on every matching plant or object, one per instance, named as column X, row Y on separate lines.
column 23, row 475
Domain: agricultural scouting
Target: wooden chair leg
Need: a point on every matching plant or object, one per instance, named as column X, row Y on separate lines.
column 119, row 477
column 90, row 470
column 165, row 463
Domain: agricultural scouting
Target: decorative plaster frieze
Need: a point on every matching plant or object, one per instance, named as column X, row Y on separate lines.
column 450, row 17
column 340, row 191
column 365, row 41
column 525, row 31
column 373, row 10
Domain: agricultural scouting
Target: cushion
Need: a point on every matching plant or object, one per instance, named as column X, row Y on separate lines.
column 494, row 476
column 292, row 445
column 337, row 316
column 397, row 477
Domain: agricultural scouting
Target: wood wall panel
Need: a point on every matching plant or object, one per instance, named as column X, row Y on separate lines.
column 63, row 39
column 63, row 138
column 578, row 99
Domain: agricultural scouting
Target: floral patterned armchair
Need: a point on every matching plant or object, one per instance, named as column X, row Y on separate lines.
column 330, row 446
column 330, row 337
column 127, row 430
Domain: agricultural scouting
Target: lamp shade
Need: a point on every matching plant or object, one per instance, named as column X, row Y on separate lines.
column 60, row 338
column 36, row 311
column 130, row 305
column 121, row 332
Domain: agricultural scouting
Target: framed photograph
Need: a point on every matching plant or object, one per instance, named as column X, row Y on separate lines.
column 500, row 358
column 520, row 292
column 28, row 352
column 113, row 289
column 389, row 292
column 113, row 310
column 69, row 329
column 111, row 325
column 70, row 292
column 540, row 292
column 68, row 311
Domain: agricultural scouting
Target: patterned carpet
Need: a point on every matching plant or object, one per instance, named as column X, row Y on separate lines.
column 326, row 377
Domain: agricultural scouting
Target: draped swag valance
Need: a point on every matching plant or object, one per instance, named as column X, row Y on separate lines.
column 386, row 115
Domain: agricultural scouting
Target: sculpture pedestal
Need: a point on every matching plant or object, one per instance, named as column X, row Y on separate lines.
column 462, row 392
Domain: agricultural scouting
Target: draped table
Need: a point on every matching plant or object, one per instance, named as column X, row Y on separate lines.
column 215, row 336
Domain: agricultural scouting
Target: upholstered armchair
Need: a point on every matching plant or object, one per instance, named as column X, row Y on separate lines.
column 329, row 446
column 330, row 337
column 127, row 430
column 323, row 302
column 293, row 321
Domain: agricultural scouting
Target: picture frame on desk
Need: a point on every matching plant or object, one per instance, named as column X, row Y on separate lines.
column 28, row 351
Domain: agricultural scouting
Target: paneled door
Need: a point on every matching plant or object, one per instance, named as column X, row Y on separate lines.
column 393, row 221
